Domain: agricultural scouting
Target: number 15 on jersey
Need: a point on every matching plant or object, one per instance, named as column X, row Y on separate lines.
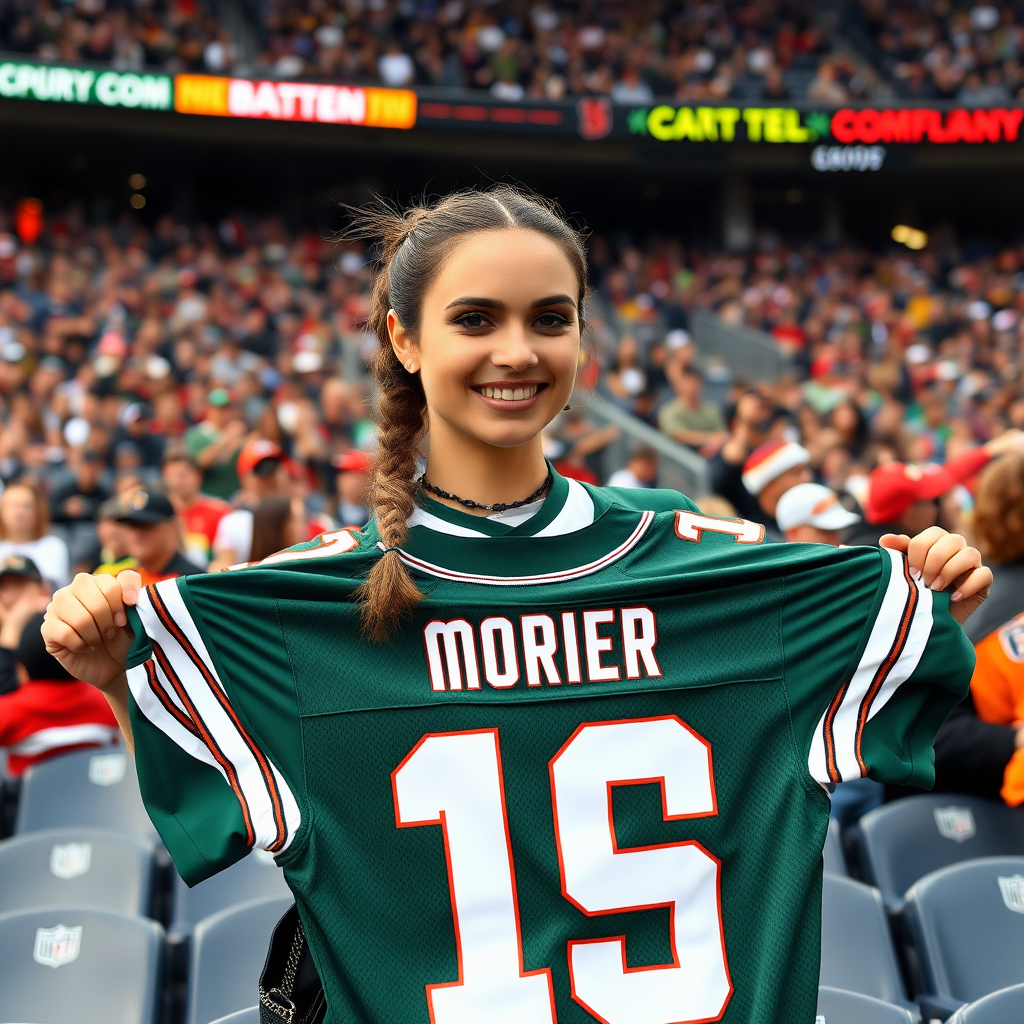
column 455, row 780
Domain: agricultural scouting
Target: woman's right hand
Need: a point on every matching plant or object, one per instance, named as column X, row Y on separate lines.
column 86, row 628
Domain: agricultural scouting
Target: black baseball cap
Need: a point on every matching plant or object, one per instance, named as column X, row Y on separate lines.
column 19, row 565
column 144, row 508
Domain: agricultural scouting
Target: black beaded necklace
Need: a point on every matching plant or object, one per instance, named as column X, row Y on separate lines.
column 496, row 507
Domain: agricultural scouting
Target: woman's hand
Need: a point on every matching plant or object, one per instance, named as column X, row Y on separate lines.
column 941, row 559
column 86, row 628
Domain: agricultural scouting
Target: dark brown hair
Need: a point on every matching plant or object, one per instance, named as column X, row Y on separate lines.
column 268, row 527
column 999, row 510
column 414, row 245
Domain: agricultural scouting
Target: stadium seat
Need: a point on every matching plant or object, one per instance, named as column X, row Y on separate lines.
column 1003, row 1007
column 967, row 923
column 82, row 867
column 857, row 953
column 835, row 862
column 907, row 839
column 227, row 955
column 838, row 1007
column 256, row 877
column 82, row 965
column 93, row 788
column 250, row 1016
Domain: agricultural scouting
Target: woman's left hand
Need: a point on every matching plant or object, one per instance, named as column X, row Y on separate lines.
column 941, row 560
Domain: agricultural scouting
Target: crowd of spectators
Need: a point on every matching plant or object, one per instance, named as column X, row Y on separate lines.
column 632, row 51
column 970, row 52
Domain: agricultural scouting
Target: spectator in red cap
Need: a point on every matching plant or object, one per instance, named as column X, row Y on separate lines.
column 352, row 482
column 904, row 499
column 771, row 470
column 215, row 444
column 260, row 469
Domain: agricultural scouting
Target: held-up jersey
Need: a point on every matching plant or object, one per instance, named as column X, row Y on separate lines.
column 587, row 781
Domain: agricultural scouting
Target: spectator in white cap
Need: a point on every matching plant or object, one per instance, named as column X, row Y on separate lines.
column 772, row 469
column 810, row 513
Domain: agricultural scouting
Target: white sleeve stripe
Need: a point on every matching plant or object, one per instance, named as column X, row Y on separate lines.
column 891, row 655
column 254, row 792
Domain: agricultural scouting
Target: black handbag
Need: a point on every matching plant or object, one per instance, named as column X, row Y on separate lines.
column 290, row 988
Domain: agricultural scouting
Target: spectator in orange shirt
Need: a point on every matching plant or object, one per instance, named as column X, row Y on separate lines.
column 199, row 514
column 991, row 747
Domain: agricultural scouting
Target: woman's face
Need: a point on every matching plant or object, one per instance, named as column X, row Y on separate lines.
column 18, row 512
column 499, row 338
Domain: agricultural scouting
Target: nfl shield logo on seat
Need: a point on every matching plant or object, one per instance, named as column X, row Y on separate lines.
column 106, row 769
column 70, row 860
column 57, row 946
column 1012, row 889
column 956, row 823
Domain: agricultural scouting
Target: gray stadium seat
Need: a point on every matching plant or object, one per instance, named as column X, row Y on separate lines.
column 97, row 788
column 838, row 1007
column 857, row 953
column 81, row 867
column 835, row 862
column 968, row 927
column 227, row 955
column 1003, row 1007
column 250, row 1016
column 255, row 877
column 82, row 965
column 908, row 839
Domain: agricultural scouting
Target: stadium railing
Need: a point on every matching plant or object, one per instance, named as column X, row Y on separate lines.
column 678, row 467
column 749, row 354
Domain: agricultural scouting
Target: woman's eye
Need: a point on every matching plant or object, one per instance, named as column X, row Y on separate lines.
column 551, row 320
column 471, row 320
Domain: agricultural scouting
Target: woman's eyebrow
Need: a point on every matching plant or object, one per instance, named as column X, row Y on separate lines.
column 470, row 301
column 554, row 300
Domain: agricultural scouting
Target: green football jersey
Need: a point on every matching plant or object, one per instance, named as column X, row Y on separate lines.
column 587, row 781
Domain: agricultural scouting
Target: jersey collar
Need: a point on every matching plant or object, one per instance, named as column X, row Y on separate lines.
column 568, row 507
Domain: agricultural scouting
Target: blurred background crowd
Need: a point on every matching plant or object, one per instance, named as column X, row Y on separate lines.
column 632, row 52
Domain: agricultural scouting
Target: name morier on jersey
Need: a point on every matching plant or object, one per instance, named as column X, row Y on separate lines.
column 592, row 646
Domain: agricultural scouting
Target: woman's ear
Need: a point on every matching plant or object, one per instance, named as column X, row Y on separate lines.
column 403, row 345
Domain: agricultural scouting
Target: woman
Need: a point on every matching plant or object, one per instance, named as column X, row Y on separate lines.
column 559, row 714
column 24, row 530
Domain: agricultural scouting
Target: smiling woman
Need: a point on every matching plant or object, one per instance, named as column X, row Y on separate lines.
column 478, row 311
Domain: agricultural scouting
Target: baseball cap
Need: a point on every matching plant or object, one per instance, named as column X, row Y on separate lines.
column 19, row 565
column 813, row 505
column 354, row 461
column 143, row 508
column 219, row 397
column 894, row 487
column 255, row 452
column 769, row 461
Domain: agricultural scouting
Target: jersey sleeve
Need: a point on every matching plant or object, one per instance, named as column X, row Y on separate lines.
column 874, row 663
column 201, row 736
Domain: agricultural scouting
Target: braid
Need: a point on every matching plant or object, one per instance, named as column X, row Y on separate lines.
column 389, row 594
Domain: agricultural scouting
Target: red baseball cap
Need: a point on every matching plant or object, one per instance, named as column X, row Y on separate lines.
column 894, row 487
column 257, row 451
column 354, row 461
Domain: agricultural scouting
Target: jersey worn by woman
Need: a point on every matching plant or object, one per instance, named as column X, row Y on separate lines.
column 586, row 782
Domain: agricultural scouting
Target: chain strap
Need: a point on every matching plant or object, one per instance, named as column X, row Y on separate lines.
column 279, row 1000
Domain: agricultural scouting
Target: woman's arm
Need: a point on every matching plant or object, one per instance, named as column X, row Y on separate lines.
column 86, row 630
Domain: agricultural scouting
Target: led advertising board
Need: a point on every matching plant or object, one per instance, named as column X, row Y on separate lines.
column 294, row 101
column 49, row 83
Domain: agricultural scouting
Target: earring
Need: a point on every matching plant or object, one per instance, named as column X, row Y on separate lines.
column 566, row 408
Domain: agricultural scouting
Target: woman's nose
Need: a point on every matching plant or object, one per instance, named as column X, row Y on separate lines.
column 513, row 349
